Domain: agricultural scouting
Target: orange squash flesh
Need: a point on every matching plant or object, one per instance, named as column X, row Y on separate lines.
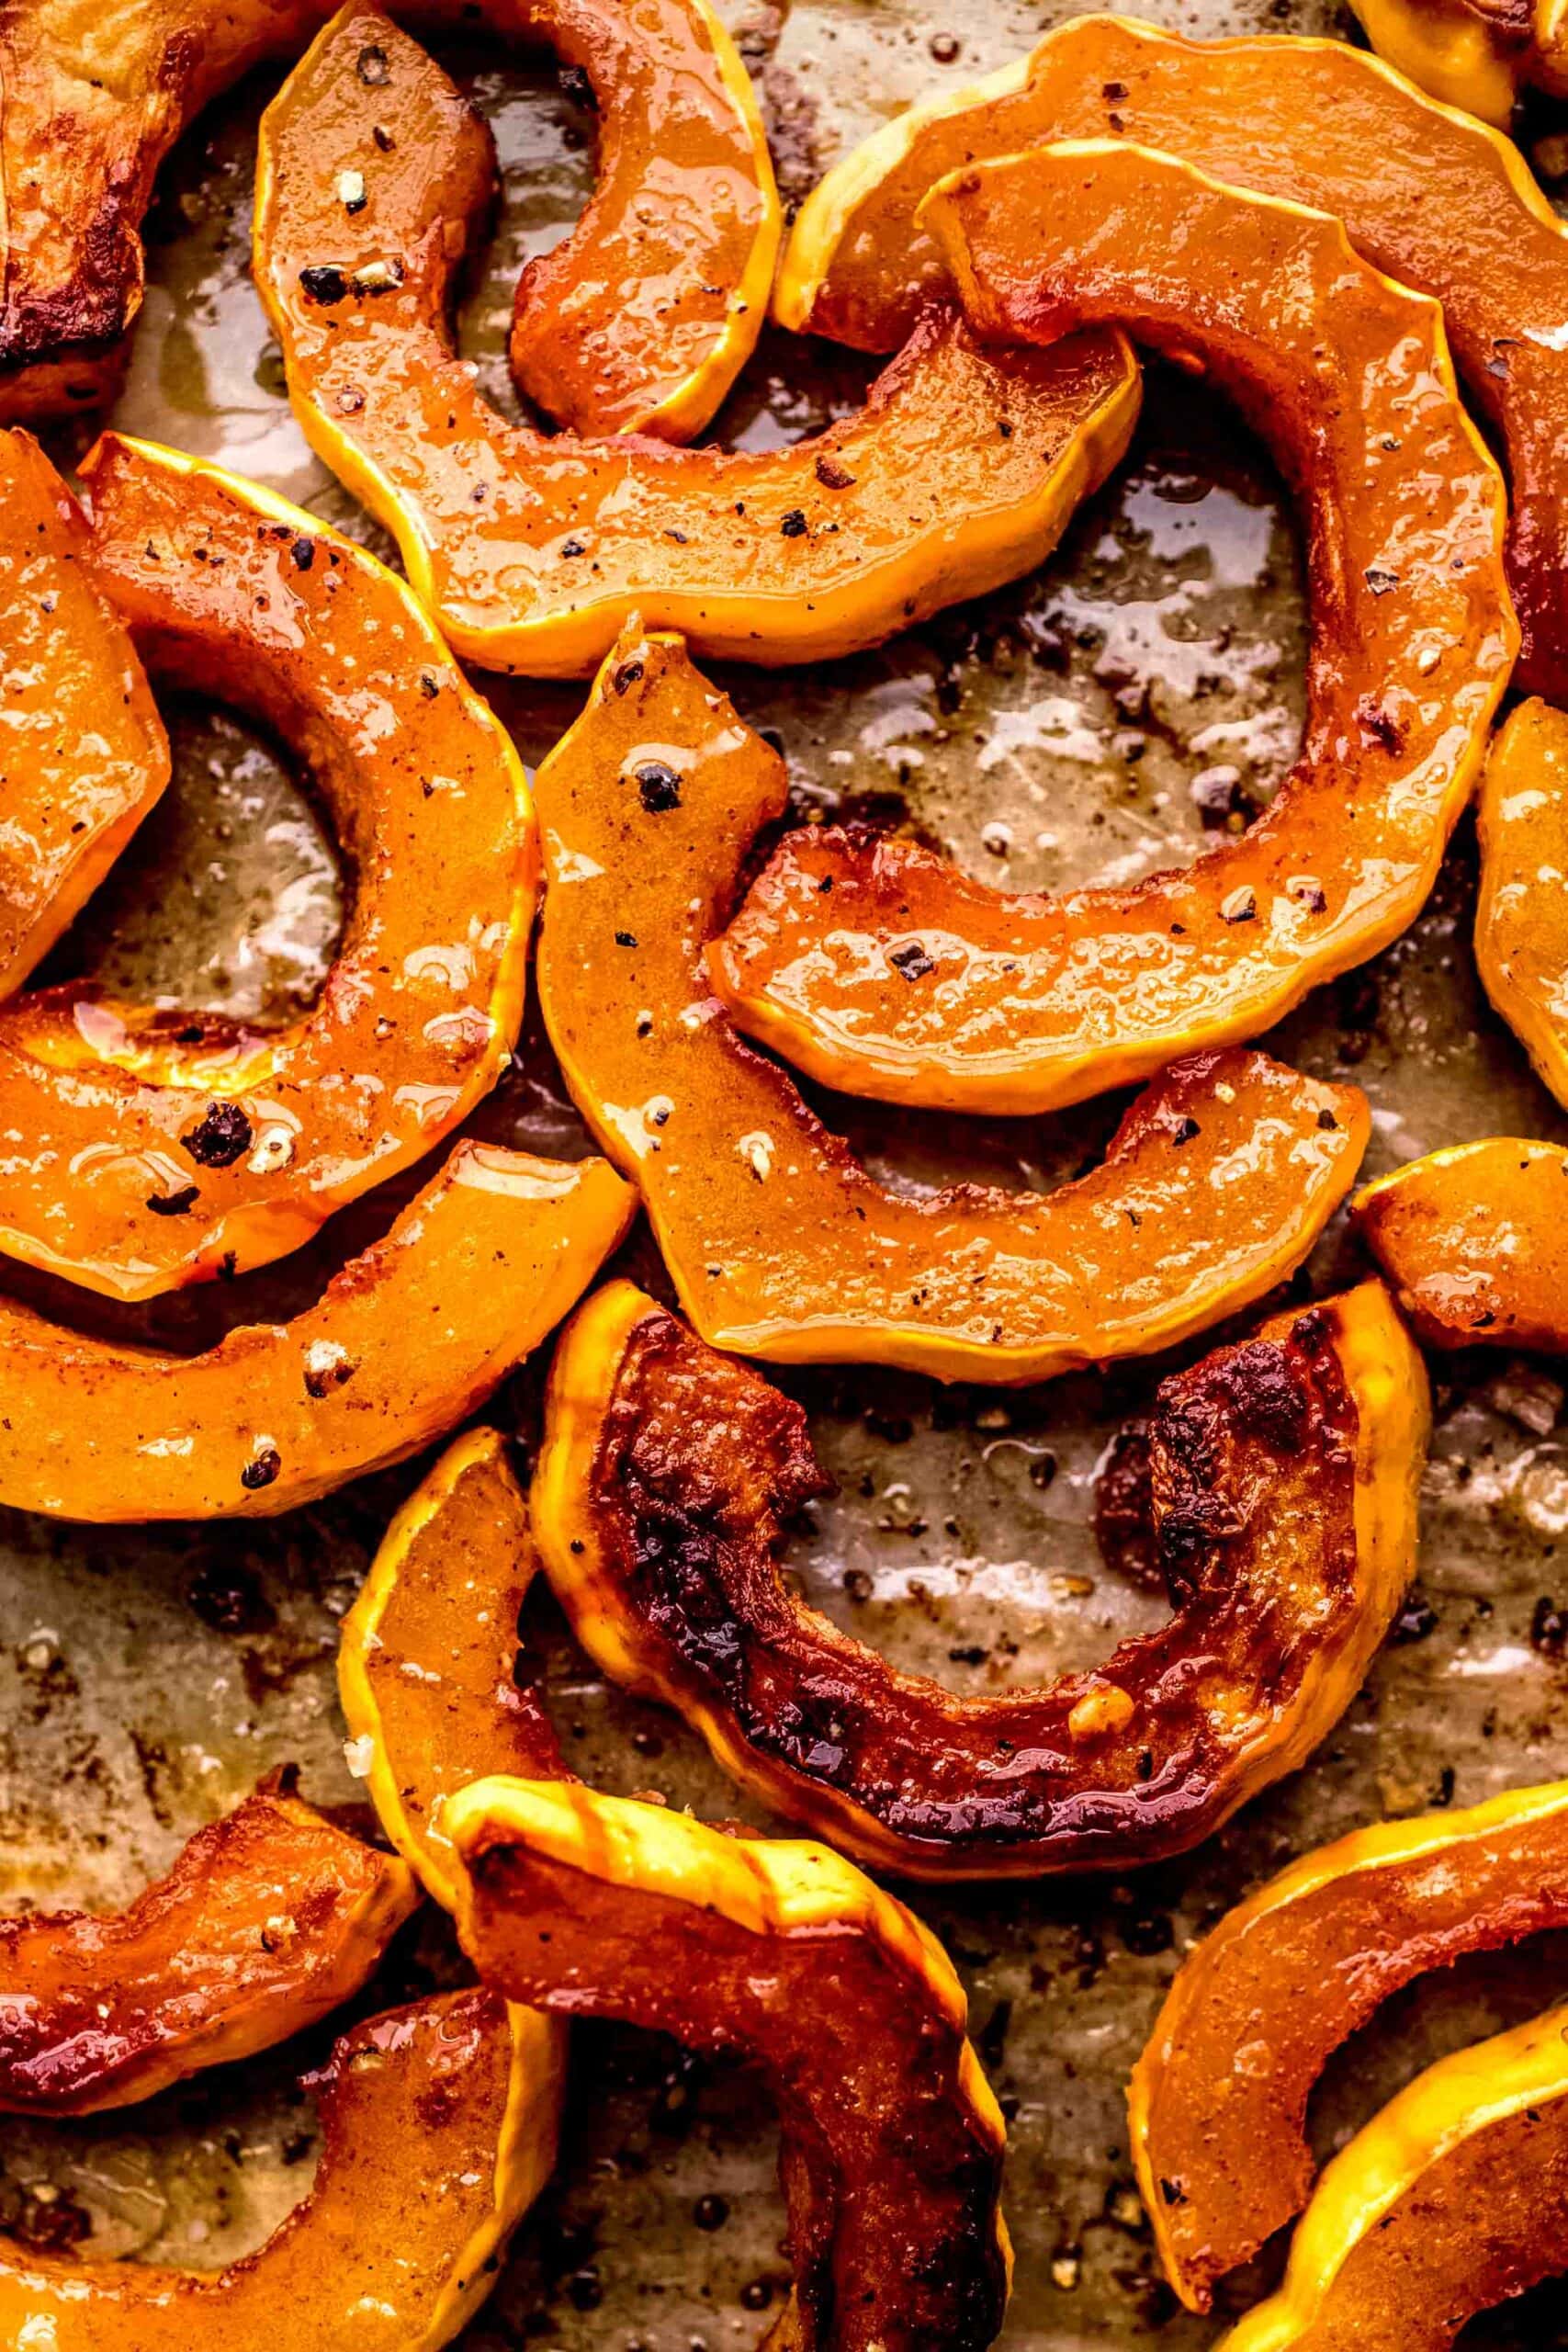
column 779, row 1243
column 892, row 2143
column 1218, row 2142
column 640, row 318
column 1426, row 194
column 960, row 471
column 82, row 751
column 1521, row 919
column 196, row 1146
column 1024, row 1002
column 405, row 1340
column 1284, row 1476
column 1474, row 1243
column 1473, row 58
column 438, row 2127
column 270, row 1920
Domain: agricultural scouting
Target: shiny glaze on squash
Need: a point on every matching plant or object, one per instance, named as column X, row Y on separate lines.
column 1284, row 1476
column 1021, row 1003
column 1474, row 1243
column 407, row 1339
column 960, row 471
column 781, row 1953
column 1521, row 917
column 778, row 1241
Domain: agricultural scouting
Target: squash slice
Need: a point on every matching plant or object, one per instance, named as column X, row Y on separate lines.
column 1021, row 1003
column 270, row 1920
column 438, row 2126
column 1475, row 58
column 196, row 1146
column 640, row 318
column 1284, row 1479
column 1521, row 918
column 960, row 471
column 1451, row 209
column 892, row 2142
column 1474, row 1243
column 83, row 754
column 1220, row 2145
column 405, row 1340
column 779, row 1243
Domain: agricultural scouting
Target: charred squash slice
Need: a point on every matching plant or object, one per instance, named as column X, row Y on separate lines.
column 1474, row 1243
column 1284, row 1478
column 438, row 2128
column 404, row 1341
column 779, row 1243
column 1521, row 920
column 196, row 1146
column 959, row 473
column 268, row 1921
column 1021, row 1003
column 641, row 318
column 1451, row 209
column 83, row 755
column 892, row 2142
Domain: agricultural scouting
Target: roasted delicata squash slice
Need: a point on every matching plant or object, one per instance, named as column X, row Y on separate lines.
column 640, row 318
column 1474, row 1244
column 878, row 967
column 1521, row 920
column 438, row 2128
column 892, row 2142
column 779, row 1243
column 82, row 751
column 1450, row 2201
column 270, row 1920
column 405, row 1340
column 1450, row 209
column 959, row 473
column 196, row 1146
column 1284, row 1474
column 1479, row 56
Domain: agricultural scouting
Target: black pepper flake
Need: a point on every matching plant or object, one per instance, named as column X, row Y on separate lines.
column 679, row 536
column 1378, row 581
column 575, row 86
column 324, row 282
column 174, row 1203
column 912, row 962
column 222, row 1137
column 658, row 788
column 1004, row 426
column 1172, row 2193
column 1328, row 1122
column 572, row 546
column 625, row 939
column 321, row 1381
column 304, row 553
column 350, row 400
column 825, row 884
column 429, row 687
column 792, row 525
column 261, row 1470
column 372, row 67
column 1186, row 1131
column 383, row 138
column 1113, row 92
column 833, row 476
column 628, row 675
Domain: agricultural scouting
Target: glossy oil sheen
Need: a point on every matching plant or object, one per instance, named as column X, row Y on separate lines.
column 1474, row 1243
column 1521, row 920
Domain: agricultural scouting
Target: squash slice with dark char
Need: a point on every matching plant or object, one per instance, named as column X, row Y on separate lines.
column 1521, row 917
column 1019, row 1003
column 1284, row 1473
column 959, row 473
column 779, row 1243
column 785, row 1954
column 268, row 1921
column 1473, row 1243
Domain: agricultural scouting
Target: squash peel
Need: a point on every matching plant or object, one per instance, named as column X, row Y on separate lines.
column 1284, row 1474
column 960, row 473
column 892, row 2142
column 1521, row 920
column 1026, row 1003
column 1473, row 1243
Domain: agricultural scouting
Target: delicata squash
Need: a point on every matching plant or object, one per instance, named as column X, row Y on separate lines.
column 1474, row 1242
column 959, row 473
column 270, row 1920
column 1521, row 919
column 1425, row 194
column 1284, row 1476
column 1219, row 2142
column 146, row 1148
column 784, row 1953
column 1476, row 54
column 875, row 966
column 779, row 1243
column 404, row 1340
column 640, row 318
column 438, row 2127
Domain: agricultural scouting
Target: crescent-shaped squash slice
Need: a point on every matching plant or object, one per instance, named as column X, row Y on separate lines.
column 878, row 967
column 1451, row 209
column 892, row 2142
column 270, row 1920
column 959, row 473
column 1219, row 2097
column 195, row 1145
column 82, row 751
column 1476, row 57
column 641, row 318
column 438, row 2128
column 1521, row 919
column 1451, row 2200
column 1474, row 1243
column 404, row 1340
column 779, row 1243
column 1284, row 1476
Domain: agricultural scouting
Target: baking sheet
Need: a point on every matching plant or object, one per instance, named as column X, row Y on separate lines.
column 1055, row 733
